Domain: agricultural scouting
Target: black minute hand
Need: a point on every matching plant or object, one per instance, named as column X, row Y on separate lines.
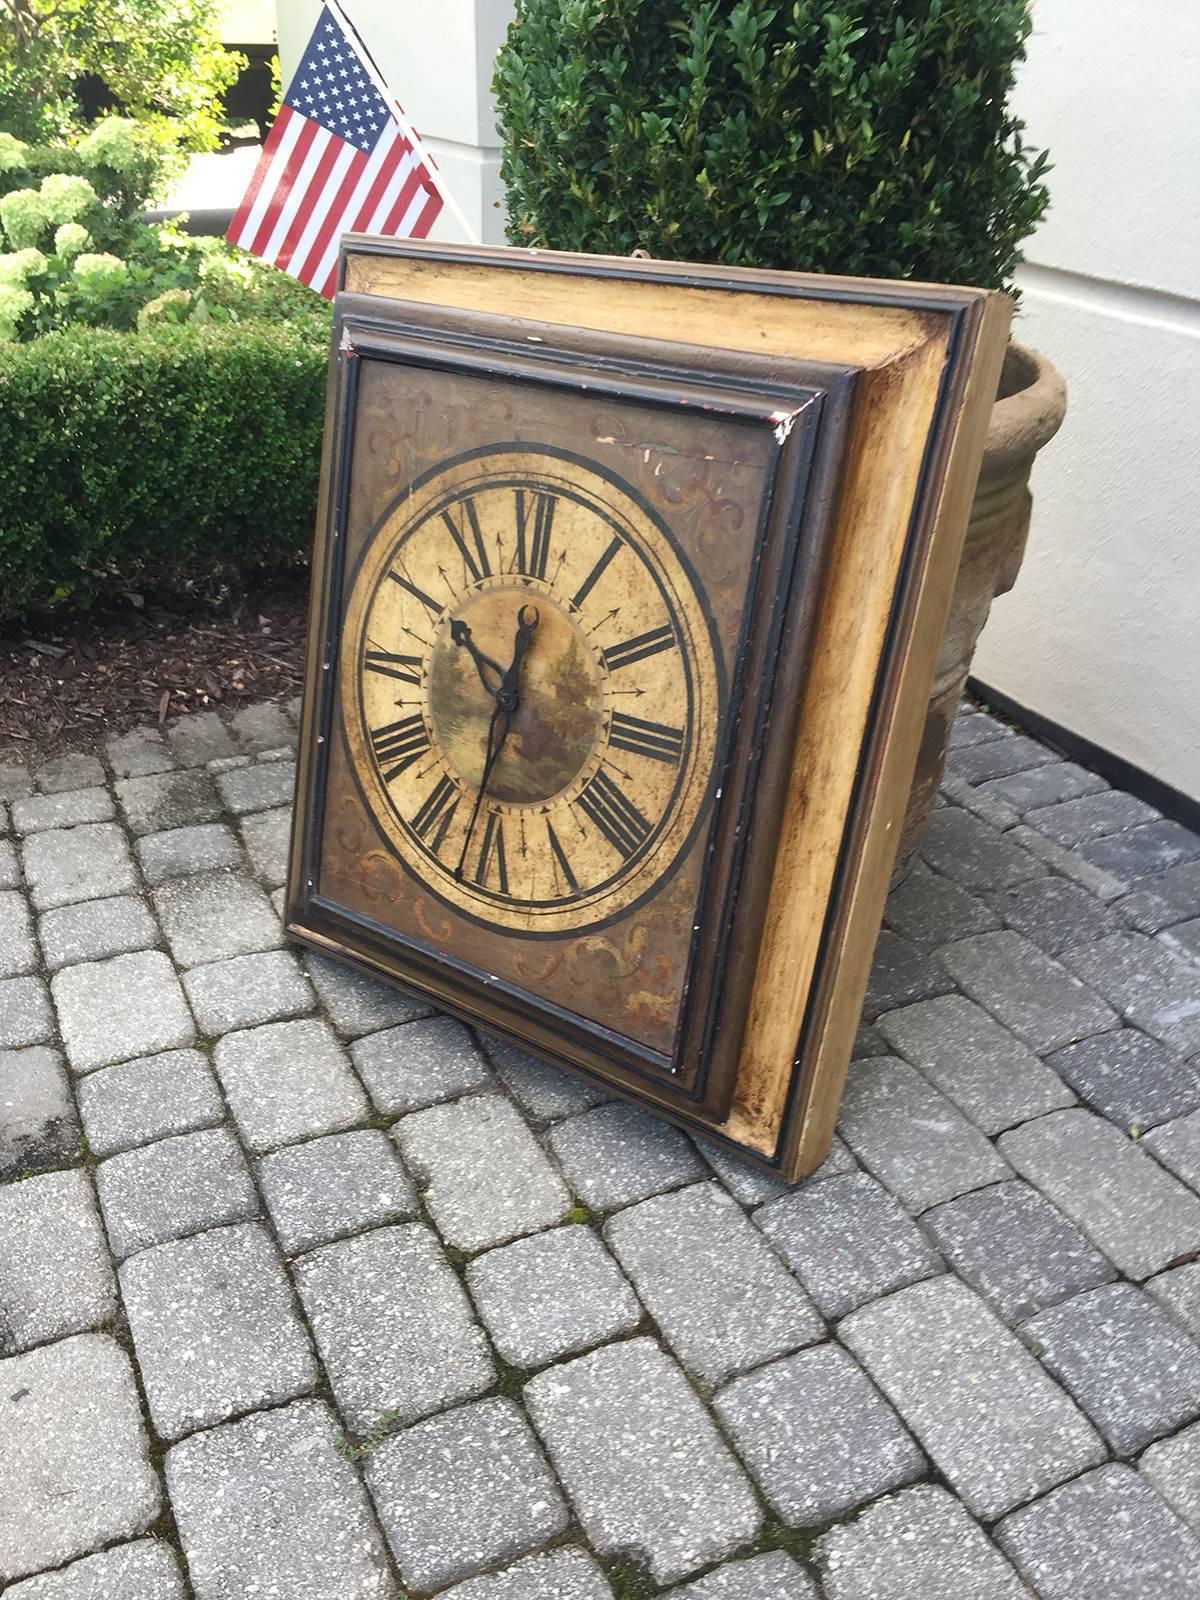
column 507, row 702
column 461, row 634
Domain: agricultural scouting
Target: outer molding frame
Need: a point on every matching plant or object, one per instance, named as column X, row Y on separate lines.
column 929, row 360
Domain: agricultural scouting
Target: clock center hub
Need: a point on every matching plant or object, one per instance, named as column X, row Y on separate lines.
column 559, row 718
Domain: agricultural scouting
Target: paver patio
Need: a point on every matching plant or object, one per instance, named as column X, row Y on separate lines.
column 307, row 1292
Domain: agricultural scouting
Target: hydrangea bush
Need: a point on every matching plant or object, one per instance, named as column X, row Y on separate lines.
column 115, row 168
column 72, row 252
column 13, row 152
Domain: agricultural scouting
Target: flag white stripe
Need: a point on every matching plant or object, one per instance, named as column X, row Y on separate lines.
column 321, row 210
column 409, row 220
column 391, row 193
column 355, row 203
column 266, row 192
column 298, row 196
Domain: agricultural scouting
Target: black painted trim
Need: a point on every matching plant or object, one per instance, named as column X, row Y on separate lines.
column 1114, row 769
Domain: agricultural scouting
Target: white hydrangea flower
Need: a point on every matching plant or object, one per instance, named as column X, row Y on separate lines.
column 111, row 143
column 24, row 218
column 66, row 198
column 14, row 303
column 13, row 153
column 159, row 309
column 20, row 266
column 70, row 240
column 100, row 265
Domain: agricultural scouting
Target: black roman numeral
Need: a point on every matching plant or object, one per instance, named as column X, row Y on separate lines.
column 427, row 601
column 652, row 739
column 533, row 543
column 407, row 669
column 399, row 744
column 618, row 819
column 492, row 851
column 560, row 857
column 475, row 560
column 631, row 650
column 594, row 576
column 436, row 815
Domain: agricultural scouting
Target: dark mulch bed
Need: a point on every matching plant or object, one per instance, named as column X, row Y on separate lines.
column 67, row 682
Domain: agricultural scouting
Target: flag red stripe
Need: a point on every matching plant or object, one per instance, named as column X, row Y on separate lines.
column 283, row 188
column 417, row 179
column 428, row 217
column 333, row 221
column 260, row 172
column 383, row 157
column 329, row 287
column 375, row 193
column 403, row 200
column 311, row 199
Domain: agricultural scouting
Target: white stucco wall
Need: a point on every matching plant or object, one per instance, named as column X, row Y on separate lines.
column 1102, row 632
column 437, row 61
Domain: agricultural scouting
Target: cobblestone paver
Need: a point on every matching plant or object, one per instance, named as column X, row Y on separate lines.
column 1106, row 1536
column 1130, row 1367
column 150, row 1098
column 642, row 1461
column 394, row 1327
column 39, row 1125
column 77, row 1473
column 270, row 1506
column 306, row 1291
column 463, row 1491
column 146, row 1569
column 95, row 929
column 917, row 1545
column 550, row 1295
column 818, row 1436
column 55, row 1274
column 214, row 1328
column 963, row 1383
column 723, row 1299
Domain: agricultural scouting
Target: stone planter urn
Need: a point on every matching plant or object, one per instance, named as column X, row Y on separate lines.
column 1028, row 412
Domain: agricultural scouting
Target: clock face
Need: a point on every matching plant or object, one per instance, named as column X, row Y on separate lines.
column 529, row 685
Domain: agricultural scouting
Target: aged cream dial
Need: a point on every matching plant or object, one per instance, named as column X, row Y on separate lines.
column 530, row 690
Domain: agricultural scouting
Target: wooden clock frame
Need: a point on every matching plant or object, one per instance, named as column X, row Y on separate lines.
column 913, row 370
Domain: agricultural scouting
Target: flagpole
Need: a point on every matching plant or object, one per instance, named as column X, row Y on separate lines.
column 406, row 126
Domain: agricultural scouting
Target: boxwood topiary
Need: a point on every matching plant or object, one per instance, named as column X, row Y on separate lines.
column 861, row 136
column 131, row 459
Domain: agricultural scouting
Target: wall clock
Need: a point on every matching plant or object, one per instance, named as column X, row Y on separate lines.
column 628, row 584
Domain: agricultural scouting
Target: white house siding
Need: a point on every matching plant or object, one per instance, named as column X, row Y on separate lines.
column 1102, row 632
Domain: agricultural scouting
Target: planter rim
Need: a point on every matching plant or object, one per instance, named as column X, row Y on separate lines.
column 1029, row 416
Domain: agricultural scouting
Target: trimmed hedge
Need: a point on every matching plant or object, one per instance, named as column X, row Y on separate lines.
column 156, row 458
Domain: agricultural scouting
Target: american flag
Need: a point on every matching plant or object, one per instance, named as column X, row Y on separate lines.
column 340, row 158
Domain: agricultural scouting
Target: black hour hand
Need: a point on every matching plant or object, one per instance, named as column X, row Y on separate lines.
column 507, row 694
column 461, row 634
